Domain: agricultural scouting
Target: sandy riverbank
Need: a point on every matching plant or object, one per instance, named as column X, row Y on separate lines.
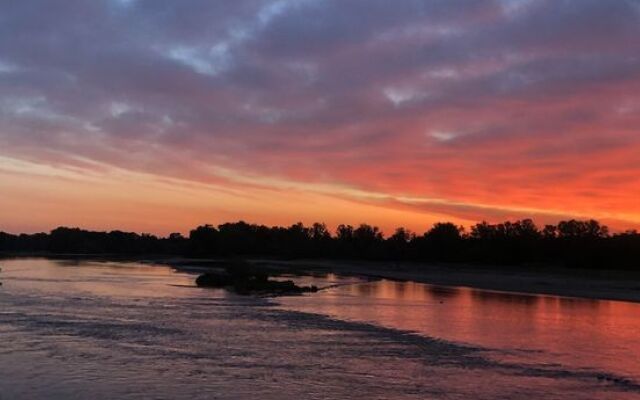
column 606, row 285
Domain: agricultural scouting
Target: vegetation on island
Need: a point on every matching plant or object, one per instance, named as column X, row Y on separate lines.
column 573, row 243
column 245, row 278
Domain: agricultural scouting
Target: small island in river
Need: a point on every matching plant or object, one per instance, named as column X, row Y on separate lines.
column 246, row 279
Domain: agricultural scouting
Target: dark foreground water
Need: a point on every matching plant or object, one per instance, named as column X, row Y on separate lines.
column 129, row 331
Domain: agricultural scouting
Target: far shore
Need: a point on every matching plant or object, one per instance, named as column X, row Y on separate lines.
column 617, row 285
column 546, row 280
column 621, row 285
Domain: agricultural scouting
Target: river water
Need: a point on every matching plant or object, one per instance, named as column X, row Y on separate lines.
column 102, row 330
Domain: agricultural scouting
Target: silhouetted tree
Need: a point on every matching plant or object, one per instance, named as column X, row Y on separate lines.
column 344, row 233
column 582, row 229
column 443, row 242
column 203, row 240
column 398, row 244
column 573, row 243
column 550, row 232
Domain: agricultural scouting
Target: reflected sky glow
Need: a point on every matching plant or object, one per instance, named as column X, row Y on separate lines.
column 579, row 332
column 106, row 330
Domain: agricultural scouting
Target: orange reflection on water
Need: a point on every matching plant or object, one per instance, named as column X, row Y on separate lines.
column 529, row 328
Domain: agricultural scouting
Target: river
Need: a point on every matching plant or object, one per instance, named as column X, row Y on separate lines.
column 105, row 330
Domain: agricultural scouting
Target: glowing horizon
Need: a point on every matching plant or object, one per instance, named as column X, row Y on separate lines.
column 151, row 117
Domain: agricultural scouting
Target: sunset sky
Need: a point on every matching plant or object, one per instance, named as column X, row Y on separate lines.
column 158, row 116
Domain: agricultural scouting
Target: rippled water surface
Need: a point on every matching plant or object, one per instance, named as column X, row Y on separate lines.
column 77, row 330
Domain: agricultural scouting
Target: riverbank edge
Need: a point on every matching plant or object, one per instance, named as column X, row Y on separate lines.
column 617, row 285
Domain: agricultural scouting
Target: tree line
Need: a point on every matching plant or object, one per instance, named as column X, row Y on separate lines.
column 573, row 243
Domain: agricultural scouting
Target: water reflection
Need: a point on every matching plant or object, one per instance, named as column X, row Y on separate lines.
column 126, row 330
column 584, row 333
column 406, row 291
column 491, row 297
column 101, row 278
